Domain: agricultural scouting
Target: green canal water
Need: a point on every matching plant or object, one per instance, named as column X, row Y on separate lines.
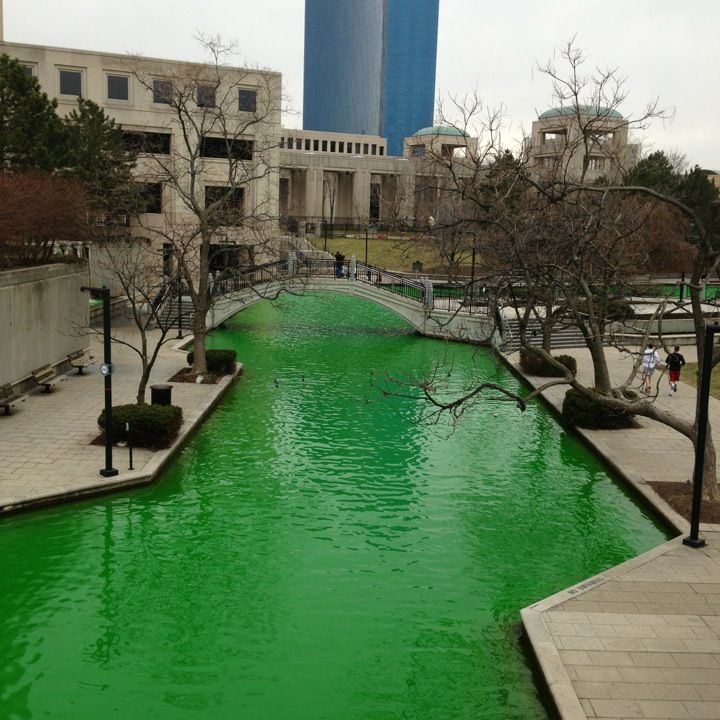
column 316, row 551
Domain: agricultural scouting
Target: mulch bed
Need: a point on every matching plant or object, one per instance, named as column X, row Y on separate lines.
column 679, row 497
column 186, row 375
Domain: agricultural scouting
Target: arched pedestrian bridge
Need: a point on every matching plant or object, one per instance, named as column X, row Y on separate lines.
column 416, row 301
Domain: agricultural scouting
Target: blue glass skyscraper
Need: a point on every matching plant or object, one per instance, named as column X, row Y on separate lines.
column 370, row 67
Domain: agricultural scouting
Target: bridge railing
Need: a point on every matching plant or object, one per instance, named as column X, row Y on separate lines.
column 449, row 298
column 249, row 277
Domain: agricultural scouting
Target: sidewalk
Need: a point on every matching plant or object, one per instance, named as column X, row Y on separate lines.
column 641, row 640
column 45, row 448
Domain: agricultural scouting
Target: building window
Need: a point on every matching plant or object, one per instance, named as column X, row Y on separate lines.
column 418, row 151
column 324, row 145
column 552, row 136
column 606, row 137
column 282, row 142
column 307, row 144
column 226, row 148
column 206, row 96
column 153, row 143
column 289, row 143
column 151, row 197
column 247, row 101
column 71, row 82
column 373, row 149
column 596, row 163
column 341, row 146
column 230, row 211
column 29, row 70
column 357, row 148
column 365, row 148
column 382, row 150
column 332, row 146
column 316, row 145
column 162, row 91
column 349, row 148
column 118, row 87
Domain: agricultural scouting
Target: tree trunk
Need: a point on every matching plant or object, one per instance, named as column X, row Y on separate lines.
column 600, row 367
column 710, row 484
column 144, row 379
column 199, row 330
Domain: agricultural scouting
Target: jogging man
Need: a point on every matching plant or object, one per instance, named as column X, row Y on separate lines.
column 674, row 362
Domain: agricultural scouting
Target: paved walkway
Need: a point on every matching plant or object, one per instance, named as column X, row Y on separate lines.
column 45, row 449
column 641, row 640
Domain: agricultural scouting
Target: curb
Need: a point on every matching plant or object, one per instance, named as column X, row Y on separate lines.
column 136, row 478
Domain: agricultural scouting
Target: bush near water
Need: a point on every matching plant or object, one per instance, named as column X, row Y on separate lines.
column 151, row 426
column 584, row 412
column 533, row 364
column 219, row 362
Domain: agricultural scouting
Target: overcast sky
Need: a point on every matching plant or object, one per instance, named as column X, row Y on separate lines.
column 665, row 48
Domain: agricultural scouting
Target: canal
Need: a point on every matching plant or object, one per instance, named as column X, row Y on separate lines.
column 317, row 550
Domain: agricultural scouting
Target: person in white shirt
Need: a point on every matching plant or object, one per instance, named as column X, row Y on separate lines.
column 650, row 359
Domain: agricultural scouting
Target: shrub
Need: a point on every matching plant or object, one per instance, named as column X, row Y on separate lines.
column 568, row 361
column 590, row 413
column 219, row 362
column 151, row 426
column 533, row 364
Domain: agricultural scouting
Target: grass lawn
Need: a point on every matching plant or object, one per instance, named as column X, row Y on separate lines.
column 381, row 252
column 689, row 375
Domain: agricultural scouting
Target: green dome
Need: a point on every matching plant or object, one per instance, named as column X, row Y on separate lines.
column 584, row 110
column 441, row 130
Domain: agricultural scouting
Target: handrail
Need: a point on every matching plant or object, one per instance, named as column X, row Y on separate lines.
column 303, row 267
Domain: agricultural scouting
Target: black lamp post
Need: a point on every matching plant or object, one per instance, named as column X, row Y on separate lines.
column 179, row 306
column 693, row 540
column 106, row 370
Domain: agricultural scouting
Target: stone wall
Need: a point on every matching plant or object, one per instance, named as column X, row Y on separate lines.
column 41, row 309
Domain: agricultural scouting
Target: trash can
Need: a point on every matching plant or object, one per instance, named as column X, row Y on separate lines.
column 161, row 394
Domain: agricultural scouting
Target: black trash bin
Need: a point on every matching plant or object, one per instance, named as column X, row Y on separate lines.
column 161, row 394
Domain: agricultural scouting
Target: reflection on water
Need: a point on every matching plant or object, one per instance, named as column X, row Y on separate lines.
column 316, row 551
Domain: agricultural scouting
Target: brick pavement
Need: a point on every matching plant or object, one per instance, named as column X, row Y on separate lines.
column 45, row 449
column 641, row 640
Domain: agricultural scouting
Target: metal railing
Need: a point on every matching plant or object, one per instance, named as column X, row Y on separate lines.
column 300, row 268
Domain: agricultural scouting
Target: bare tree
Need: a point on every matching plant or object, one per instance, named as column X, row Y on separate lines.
column 39, row 210
column 573, row 233
column 224, row 123
column 135, row 267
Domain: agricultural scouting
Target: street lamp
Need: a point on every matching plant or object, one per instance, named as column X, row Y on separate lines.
column 179, row 305
column 106, row 370
column 693, row 540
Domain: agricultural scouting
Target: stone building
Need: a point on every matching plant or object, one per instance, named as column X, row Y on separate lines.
column 568, row 141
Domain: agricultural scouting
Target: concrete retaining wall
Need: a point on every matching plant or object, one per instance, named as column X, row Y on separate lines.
column 41, row 309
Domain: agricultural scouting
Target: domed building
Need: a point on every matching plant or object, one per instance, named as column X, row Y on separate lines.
column 581, row 142
column 438, row 141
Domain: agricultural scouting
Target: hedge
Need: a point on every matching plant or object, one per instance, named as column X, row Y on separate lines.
column 151, row 426
column 586, row 412
column 533, row 364
column 219, row 362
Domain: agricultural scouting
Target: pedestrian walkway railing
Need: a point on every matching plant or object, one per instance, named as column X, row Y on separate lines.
column 300, row 268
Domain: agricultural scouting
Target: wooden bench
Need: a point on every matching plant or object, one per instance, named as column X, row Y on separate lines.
column 45, row 376
column 8, row 396
column 80, row 359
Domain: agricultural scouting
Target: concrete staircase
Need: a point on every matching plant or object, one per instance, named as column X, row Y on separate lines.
column 562, row 337
column 169, row 313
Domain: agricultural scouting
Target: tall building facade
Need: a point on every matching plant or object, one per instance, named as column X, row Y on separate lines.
column 370, row 67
